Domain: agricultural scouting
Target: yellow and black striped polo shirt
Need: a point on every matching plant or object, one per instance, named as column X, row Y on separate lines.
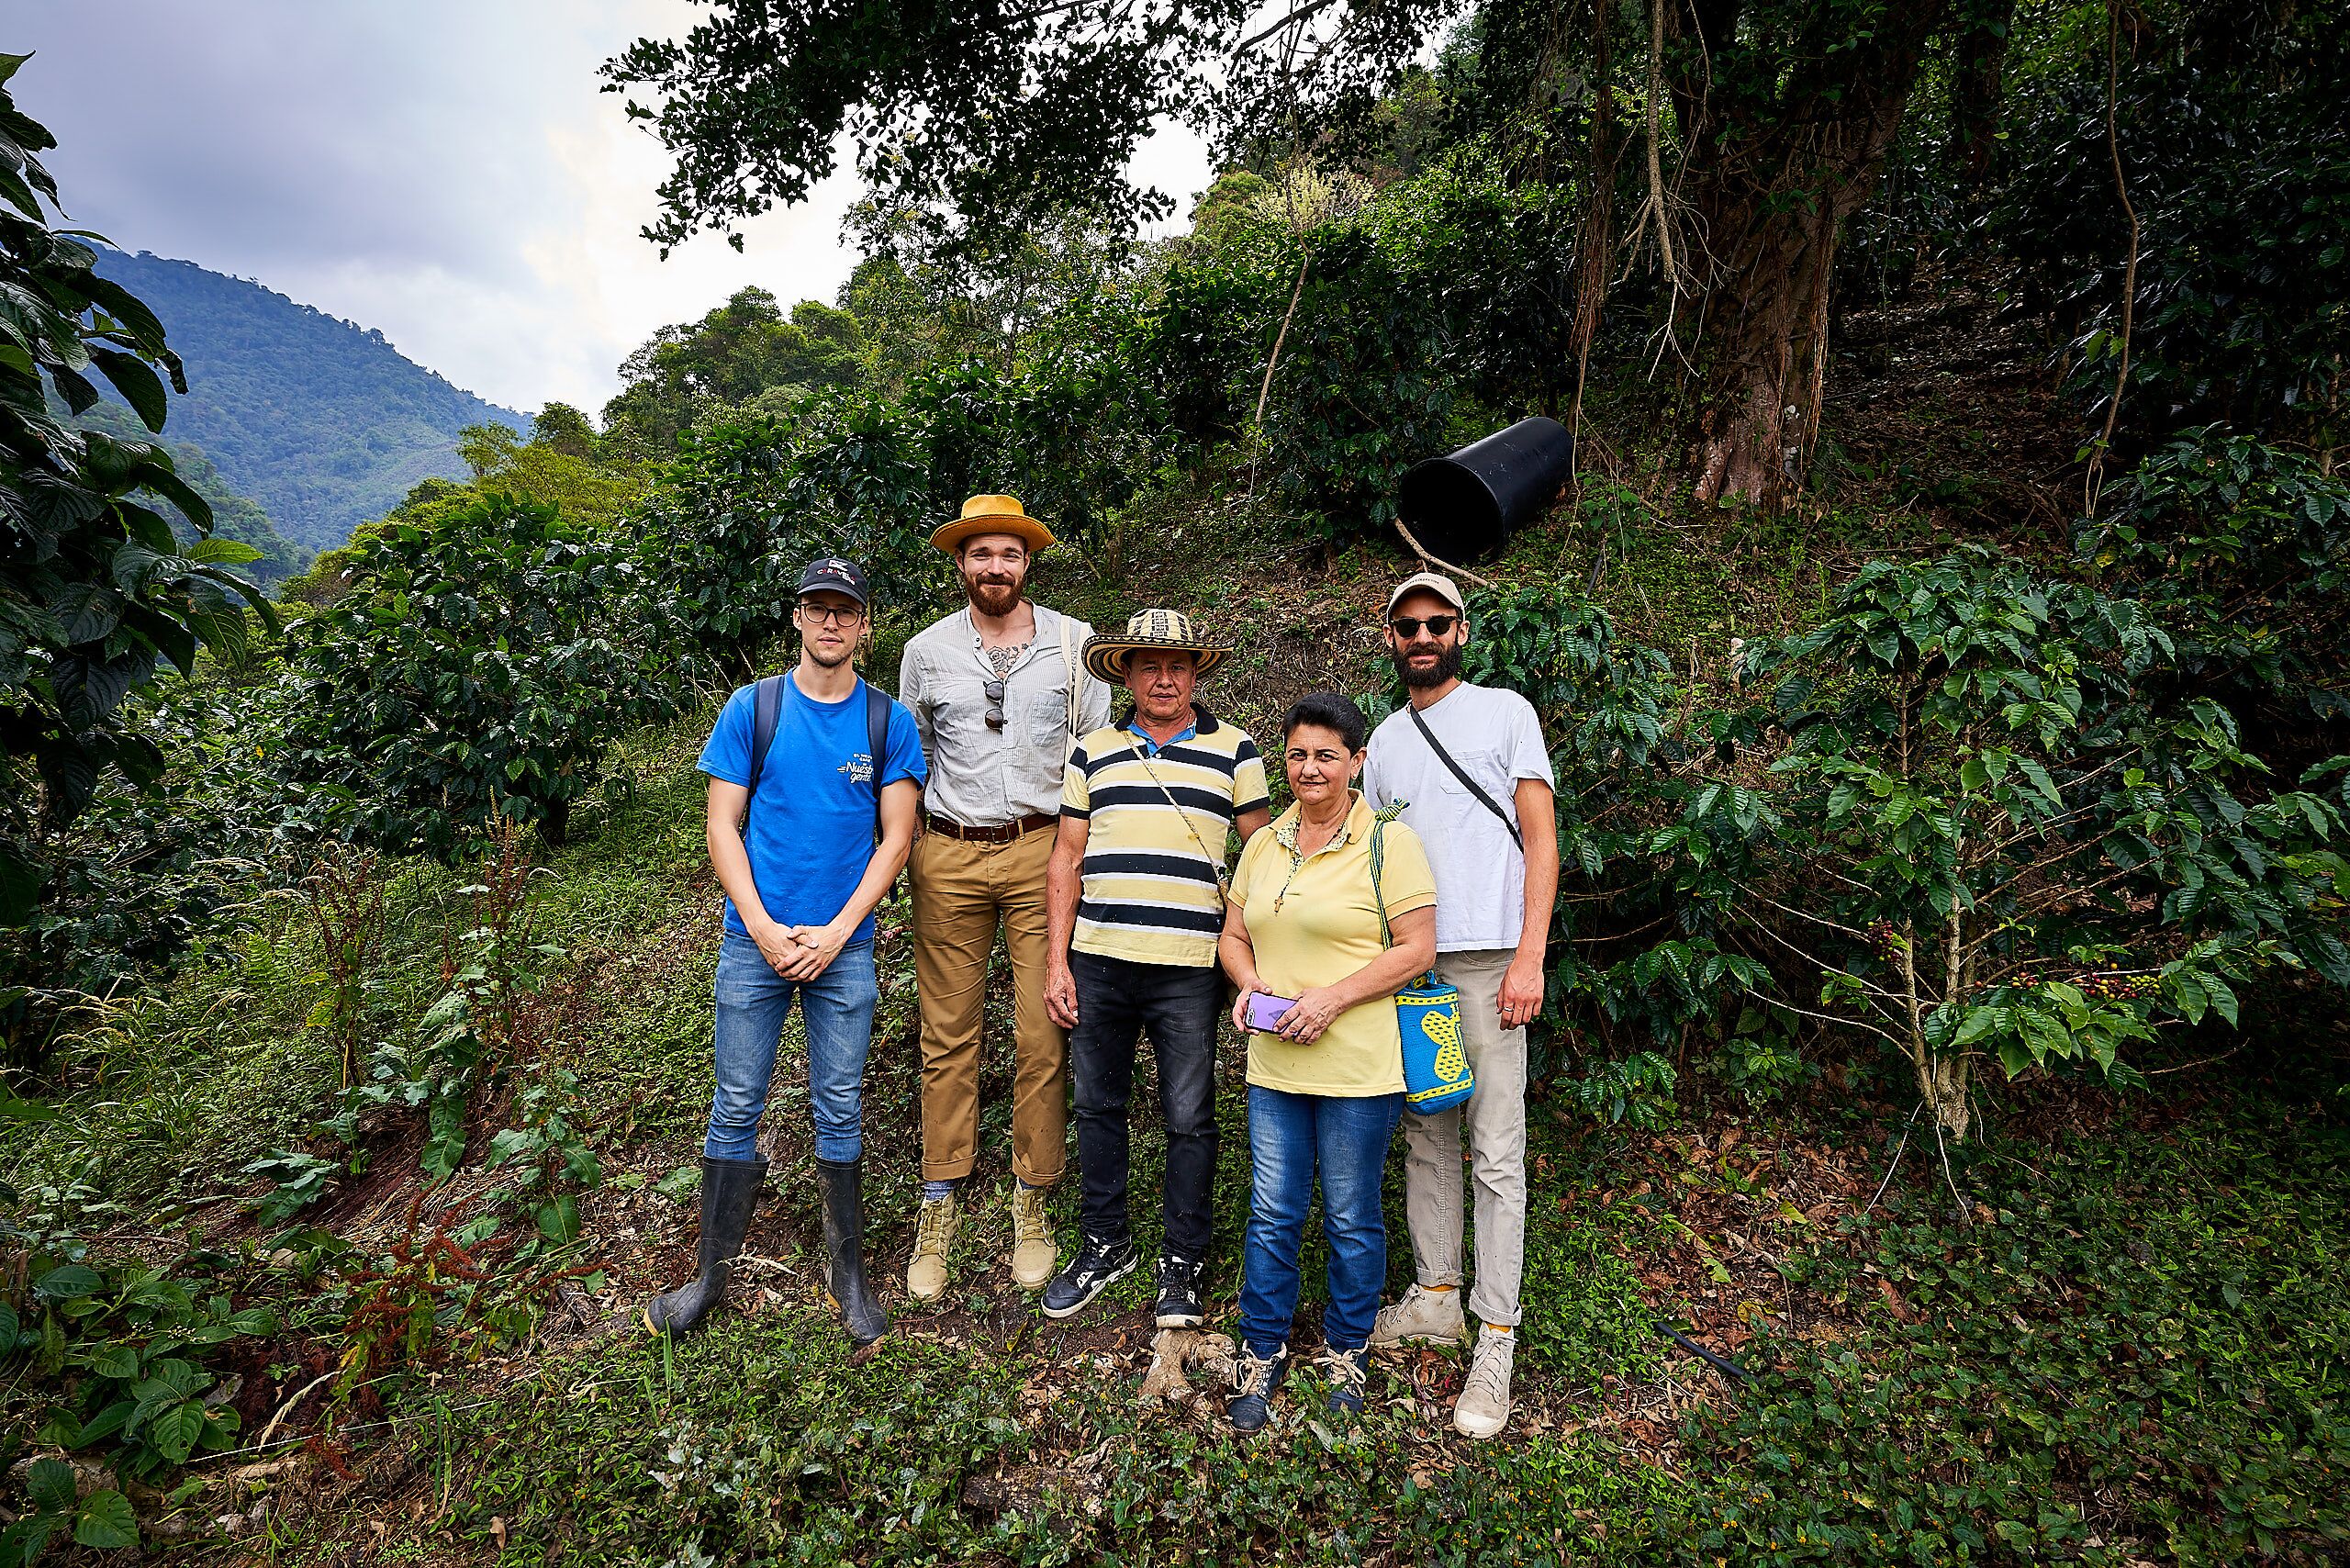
column 1150, row 889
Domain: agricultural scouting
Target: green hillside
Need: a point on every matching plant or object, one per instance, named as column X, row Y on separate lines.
column 322, row 422
column 234, row 516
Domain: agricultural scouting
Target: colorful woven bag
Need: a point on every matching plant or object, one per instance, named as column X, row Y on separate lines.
column 1428, row 1013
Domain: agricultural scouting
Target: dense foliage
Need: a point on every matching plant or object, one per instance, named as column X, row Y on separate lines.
column 479, row 672
column 96, row 590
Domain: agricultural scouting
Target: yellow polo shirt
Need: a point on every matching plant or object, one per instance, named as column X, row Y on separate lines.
column 1314, row 921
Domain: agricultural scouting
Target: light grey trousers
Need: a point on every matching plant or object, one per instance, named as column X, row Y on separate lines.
column 1496, row 1115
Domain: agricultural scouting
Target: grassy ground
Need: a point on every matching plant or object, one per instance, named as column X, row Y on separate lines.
column 2129, row 1341
column 2131, row 1351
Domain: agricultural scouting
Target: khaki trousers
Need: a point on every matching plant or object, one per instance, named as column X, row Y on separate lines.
column 1495, row 1115
column 962, row 892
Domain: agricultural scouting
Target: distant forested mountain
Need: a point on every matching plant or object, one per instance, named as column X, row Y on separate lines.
column 322, row 422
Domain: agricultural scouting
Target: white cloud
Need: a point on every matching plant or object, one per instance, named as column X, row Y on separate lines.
column 445, row 171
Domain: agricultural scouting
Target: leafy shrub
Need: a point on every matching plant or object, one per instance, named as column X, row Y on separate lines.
column 2238, row 164
column 715, row 549
column 1418, row 316
column 1988, row 835
column 1634, row 960
column 145, row 875
column 109, row 1357
column 479, row 673
column 95, row 590
column 2245, row 548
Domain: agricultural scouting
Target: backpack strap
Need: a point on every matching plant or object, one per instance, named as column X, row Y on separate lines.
column 1460, row 773
column 767, row 710
column 877, row 743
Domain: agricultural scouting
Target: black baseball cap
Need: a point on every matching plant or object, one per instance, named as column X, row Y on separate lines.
column 833, row 574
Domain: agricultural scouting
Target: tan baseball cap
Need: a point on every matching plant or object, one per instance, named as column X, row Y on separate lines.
column 1435, row 583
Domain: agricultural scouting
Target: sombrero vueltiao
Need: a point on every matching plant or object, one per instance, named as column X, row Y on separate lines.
column 993, row 514
column 1105, row 655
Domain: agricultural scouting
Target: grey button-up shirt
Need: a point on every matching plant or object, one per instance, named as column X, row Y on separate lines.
column 984, row 777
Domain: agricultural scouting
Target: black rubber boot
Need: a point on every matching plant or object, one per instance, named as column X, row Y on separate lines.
column 730, row 1191
column 844, row 1242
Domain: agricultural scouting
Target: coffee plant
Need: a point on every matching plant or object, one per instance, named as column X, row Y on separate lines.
column 477, row 674
column 1986, row 834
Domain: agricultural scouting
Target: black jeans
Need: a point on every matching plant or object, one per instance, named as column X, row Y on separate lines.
column 1118, row 1000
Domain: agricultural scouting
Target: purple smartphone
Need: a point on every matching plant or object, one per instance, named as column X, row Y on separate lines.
column 1266, row 1011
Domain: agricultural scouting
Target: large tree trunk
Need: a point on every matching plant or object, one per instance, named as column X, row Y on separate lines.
column 1977, row 72
column 1777, row 159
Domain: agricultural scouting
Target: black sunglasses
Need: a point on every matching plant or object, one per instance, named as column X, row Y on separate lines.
column 993, row 690
column 1409, row 626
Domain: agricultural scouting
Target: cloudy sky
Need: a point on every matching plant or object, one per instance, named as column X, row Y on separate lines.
column 445, row 171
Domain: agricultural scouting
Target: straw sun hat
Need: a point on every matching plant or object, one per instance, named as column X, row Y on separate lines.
column 1105, row 654
column 993, row 514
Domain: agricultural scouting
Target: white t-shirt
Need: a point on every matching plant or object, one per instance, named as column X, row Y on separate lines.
column 1480, row 873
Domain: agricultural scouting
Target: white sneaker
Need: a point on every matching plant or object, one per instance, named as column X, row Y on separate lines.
column 1424, row 1317
column 1482, row 1409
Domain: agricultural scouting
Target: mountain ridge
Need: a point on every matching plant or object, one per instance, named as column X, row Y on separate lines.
column 320, row 420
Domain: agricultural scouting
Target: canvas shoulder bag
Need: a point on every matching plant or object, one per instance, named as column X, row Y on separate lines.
column 1428, row 1012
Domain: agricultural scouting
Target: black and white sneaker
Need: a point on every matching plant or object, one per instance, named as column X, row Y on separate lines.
column 1098, row 1265
column 1179, row 1293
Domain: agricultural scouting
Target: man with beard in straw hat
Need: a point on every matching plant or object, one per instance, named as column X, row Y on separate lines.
column 1147, row 809
column 1001, row 697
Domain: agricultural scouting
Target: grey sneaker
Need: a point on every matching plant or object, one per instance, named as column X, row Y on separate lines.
column 1422, row 1318
column 1482, row 1409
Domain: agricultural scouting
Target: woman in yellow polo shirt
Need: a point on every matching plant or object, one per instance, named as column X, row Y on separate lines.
column 1326, row 1082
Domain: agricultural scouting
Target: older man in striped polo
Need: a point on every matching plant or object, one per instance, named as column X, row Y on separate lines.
column 1135, row 893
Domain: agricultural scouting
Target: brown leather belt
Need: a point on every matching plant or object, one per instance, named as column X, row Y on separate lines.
column 1002, row 834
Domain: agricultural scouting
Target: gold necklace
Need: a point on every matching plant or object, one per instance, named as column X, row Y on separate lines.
column 1297, row 856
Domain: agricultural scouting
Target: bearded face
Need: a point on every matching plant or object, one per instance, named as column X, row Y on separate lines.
column 1422, row 667
column 994, row 568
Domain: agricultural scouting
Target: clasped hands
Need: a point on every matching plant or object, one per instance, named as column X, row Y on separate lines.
column 801, row 952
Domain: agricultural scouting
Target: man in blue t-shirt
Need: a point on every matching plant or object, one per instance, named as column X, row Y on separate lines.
column 806, row 840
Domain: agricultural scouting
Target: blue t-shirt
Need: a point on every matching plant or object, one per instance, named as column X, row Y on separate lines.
column 810, row 828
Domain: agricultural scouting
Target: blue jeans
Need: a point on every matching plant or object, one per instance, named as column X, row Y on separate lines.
column 1289, row 1137
column 752, row 1000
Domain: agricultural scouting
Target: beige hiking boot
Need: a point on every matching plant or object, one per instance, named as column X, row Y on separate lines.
column 934, row 1228
column 1482, row 1409
column 1423, row 1317
column 1033, row 1253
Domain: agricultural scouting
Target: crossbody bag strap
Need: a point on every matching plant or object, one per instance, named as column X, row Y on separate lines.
column 1215, row 861
column 1459, row 772
column 1380, row 819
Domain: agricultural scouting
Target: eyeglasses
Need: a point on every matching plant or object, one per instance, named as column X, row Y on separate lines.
column 993, row 690
column 832, row 614
column 1409, row 626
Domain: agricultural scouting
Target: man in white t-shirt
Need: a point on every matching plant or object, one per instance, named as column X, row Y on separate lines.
column 1468, row 765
